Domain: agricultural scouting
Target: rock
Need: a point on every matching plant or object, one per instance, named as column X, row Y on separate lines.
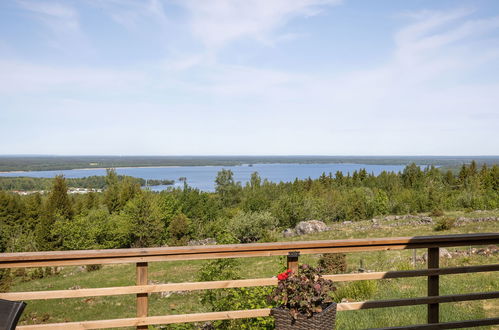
column 206, row 241
column 311, row 226
column 165, row 294
column 347, row 222
column 444, row 253
column 288, row 233
column 426, row 220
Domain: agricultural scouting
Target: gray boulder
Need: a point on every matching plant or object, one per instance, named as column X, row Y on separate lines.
column 311, row 226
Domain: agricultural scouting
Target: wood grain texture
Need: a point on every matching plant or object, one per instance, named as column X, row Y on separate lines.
column 228, row 315
column 142, row 298
column 51, row 258
column 193, row 286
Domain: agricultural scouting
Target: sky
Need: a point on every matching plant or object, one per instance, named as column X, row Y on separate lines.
column 249, row 77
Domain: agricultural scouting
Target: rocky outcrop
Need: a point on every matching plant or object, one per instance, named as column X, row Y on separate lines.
column 206, row 241
column 305, row 228
column 464, row 220
column 309, row 227
column 444, row 253
column 415, row 219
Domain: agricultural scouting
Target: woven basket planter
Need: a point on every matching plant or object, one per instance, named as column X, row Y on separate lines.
column 324, row 320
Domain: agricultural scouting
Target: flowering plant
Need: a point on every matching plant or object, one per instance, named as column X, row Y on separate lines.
column 304, row 293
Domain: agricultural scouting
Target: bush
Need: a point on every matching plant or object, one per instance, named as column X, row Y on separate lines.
column 333, row 263
column 444, row 224
column 357, row 291
column 252, row 226
column 92, row 268
column 179, row 230
column 437, row 213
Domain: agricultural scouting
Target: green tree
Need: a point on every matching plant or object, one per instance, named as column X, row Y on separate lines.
column 144, row 218
column 179, row 230
column 58, row 201
column 227, row 188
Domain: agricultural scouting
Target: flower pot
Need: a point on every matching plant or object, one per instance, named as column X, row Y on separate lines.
column 324, row 320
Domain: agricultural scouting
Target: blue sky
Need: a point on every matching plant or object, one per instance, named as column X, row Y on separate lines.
column 255, row 77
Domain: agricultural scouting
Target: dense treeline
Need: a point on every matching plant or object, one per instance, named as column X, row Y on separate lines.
column 93, row 182
column 124, row 215
column 44, row 163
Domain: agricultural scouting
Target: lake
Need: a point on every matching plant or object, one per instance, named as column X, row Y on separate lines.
column 203, row 177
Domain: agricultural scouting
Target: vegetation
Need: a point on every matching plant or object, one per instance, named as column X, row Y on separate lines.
column 91, row 182
column 305, row 293
column 124, row 215
column 44, row 163
column 333, row 263
column 79, row 309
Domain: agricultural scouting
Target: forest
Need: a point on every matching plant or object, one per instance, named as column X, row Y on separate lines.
column 91, row 182
column 125, row 215
column 45, row 163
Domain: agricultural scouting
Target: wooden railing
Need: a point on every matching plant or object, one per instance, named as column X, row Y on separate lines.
column 292, row 249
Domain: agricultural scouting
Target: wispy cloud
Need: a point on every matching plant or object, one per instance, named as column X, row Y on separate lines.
column 62, row 21
column 219, row 22
column 131, row 13
column 428, row 96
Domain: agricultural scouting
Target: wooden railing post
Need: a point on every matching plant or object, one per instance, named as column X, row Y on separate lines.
column 292, row 261
column 142, row 304
column 433, row 284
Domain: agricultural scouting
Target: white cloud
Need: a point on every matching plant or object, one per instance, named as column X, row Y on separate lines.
column 219, row 22
column 131, row 13
column 420, row 101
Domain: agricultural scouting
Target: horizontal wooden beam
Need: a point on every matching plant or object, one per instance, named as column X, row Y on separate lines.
column 448, row 325
column 84, row 257
column 352, row 306
column 151, row 320
column 229, row 315
column 192, row 286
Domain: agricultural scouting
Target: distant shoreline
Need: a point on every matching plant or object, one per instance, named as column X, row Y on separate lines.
column 26, row 164
column 98, row 168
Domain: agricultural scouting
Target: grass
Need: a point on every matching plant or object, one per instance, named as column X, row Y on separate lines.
column 94, row 308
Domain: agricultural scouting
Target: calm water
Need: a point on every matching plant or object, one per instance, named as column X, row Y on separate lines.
column 203, row 177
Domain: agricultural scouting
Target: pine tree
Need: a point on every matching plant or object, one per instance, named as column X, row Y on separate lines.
column 58, row 201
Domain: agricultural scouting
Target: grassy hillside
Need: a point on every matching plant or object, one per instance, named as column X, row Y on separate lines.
column 178, row 303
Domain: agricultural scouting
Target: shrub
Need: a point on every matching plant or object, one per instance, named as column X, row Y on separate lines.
column 437, row 213
column 333, row 263
column 179, row 230
column 444, row 224
column 358, row 290
column 252, row 226
column 92, row 268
